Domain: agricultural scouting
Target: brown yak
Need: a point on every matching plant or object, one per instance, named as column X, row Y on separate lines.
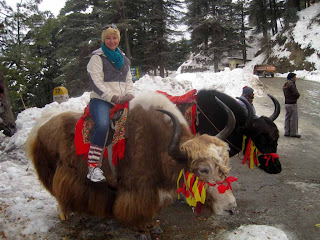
column 147, row 175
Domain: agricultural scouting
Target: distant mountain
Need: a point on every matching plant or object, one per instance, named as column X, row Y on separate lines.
column 296, row 47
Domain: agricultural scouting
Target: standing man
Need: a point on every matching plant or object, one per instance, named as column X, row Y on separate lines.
column 291, row 96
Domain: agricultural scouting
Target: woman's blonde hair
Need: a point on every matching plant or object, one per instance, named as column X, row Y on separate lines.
column 111, row 29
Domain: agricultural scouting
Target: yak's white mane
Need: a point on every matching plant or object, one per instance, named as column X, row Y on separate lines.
column 150, row 100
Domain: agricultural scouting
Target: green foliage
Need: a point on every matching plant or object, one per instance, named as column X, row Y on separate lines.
column 25, row 51
column 281, row 39
column 40, row 52
column 179, row 53
column 290, row 16
column 216, row 27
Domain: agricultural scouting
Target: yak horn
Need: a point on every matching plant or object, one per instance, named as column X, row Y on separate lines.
column 250, row 111
column 174, row 146
column 230, row 123
column 276, row 112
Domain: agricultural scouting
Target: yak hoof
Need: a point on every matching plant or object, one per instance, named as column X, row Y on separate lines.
column 154, row 227
column 62, row 216
column 142, row 233
column 142, row 236
column 156, row 230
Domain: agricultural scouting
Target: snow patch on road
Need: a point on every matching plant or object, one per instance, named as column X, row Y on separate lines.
column 254, row 232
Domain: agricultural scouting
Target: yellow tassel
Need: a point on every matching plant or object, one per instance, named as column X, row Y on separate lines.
column 180, row 175
column 198, row 197
column 253, row 153
column 203, row 195
column 251, row 156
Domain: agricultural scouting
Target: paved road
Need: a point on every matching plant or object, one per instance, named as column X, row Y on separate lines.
column 289, row 200
column 308, row 103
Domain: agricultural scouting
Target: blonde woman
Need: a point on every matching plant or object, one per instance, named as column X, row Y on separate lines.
column 111, row 81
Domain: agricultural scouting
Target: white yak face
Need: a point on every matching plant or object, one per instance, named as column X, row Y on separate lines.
column 209, row 161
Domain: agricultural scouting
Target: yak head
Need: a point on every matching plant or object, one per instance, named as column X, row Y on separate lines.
column 263, row 132
column 208, row 158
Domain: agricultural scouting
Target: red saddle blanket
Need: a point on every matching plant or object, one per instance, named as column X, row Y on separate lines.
column 190, row 112
column 84, row 125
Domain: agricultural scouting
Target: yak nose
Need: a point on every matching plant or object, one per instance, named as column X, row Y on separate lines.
column 231, row 208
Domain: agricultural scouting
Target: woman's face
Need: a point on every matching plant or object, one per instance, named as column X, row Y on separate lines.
column 111, row 41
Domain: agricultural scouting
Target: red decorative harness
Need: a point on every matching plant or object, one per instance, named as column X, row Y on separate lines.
column 85, row 123
column 252, row 153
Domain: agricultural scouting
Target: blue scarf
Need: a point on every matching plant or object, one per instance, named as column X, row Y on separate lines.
column 291, row 80
column 114, row 56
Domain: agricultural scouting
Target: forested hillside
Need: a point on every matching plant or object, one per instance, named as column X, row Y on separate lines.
column 40, row 51
column 297, row 46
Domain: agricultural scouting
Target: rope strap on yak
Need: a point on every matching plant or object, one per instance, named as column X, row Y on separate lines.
column 195, row 190
column 271, row 156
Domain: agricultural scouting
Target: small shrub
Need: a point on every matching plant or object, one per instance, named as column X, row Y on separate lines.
column 290, row 16
column 281, row 39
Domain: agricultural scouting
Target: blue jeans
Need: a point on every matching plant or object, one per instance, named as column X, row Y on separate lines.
column 100, row 113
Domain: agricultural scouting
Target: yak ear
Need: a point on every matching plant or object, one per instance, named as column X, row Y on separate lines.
column 276, row 111
column 230, row 123
column 174, row 146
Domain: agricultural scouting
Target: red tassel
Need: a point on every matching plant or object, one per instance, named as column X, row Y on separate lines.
column 199, row 208
column 247, row 153
column 81, row 146
column 201, row 185
column 193, row 126
column 191, row 184
column 118, row 151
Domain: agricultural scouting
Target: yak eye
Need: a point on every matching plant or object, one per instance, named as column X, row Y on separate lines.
column 203, row 170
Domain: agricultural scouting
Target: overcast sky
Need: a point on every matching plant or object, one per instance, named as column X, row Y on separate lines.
column 52, row 5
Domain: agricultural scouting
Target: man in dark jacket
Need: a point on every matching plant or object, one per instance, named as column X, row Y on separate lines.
column 247, row 93
column 291, row 96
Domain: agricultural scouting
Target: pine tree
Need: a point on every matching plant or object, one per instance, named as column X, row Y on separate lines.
column 179, row 53
column 81, row 24
column 22, row 66
column 162, row 16
column 214, row 27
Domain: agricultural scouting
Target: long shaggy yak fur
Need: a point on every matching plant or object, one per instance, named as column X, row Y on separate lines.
column 146, row 175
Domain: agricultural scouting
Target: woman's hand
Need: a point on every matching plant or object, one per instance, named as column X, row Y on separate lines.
column 126, row 98
column 115, row 99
